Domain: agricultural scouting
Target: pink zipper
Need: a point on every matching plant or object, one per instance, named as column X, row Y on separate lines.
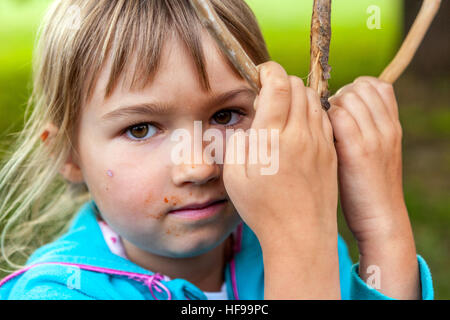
column 152, row 281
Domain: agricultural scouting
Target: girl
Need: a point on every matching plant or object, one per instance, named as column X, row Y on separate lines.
column 110, row 90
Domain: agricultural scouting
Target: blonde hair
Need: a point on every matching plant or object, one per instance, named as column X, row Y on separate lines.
column 36, row 203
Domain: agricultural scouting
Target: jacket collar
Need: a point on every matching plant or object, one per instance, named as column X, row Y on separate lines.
column 83, row 244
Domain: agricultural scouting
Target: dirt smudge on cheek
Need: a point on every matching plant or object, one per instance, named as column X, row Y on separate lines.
column 157, row 216
column 154, row 215
column 174, row 232
column 175, row 200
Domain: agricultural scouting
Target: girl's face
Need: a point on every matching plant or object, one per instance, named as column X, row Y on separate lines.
column 128, row 167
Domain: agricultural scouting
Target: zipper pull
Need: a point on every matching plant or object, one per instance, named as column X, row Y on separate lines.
column 154, row 282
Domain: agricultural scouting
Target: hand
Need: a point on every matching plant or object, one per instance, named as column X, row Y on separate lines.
column 292, row 212
column 368, row 137
column 368, row 134
column 304, row 190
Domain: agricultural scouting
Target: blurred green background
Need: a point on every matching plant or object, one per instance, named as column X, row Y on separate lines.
column 423, row 93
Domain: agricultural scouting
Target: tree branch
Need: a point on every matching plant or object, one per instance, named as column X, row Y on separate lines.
column 227, row 42
column 320, row 45
column 412, row 42
column 319, row 72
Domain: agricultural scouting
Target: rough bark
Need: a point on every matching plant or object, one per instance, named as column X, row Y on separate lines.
column 319, row 72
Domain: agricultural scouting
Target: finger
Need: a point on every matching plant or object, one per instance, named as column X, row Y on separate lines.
column 297, row 114
column 314, row 109
column 377, row 107
column 345, row 129
column 353, row 104
column 274, row 99
column 387, row 94
column 341, row 90
column 327, row 127
column 236, row 153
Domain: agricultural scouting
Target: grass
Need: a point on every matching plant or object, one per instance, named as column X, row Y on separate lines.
column 355, row 51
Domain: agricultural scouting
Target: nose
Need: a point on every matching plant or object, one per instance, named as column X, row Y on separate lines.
column 195, row 173
column 197, row 166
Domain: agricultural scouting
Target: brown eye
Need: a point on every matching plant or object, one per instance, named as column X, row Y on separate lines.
column 223, row 117
column 141, row 131
column 226, row 117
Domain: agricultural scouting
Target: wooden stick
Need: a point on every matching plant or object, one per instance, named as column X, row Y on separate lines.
column 227, row 42
column 415, row 36
column 319, row 72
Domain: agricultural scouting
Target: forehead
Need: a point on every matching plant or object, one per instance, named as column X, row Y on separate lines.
column 177, row 78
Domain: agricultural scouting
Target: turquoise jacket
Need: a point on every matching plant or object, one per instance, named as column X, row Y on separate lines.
column 79, row 265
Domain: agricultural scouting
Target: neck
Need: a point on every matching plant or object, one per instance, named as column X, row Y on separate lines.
column 206, row 271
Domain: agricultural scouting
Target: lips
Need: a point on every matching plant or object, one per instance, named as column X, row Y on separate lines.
column 198, row 206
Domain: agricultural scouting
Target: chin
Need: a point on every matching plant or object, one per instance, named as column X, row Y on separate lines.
column 188, row 247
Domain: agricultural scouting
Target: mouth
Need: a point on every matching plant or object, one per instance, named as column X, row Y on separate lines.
column 199, row 210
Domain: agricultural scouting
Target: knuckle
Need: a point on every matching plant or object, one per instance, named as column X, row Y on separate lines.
column 387, row 87
column 312, row 94
column 342, row 90
column 270, row 67
column 271, row 64
column 363, row 85
column 280, row 86
column 390, row 133
column 349, row 98
column 266, row 66
column 338, row 113
column 297, row 84
column 394, row 133
column 365, row 79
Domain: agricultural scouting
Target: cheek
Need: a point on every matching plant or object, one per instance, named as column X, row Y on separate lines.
column 137, row 188
column 131, row 201
column 127, row 186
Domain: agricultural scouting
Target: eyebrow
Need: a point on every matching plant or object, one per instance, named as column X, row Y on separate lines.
column 158, row 108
